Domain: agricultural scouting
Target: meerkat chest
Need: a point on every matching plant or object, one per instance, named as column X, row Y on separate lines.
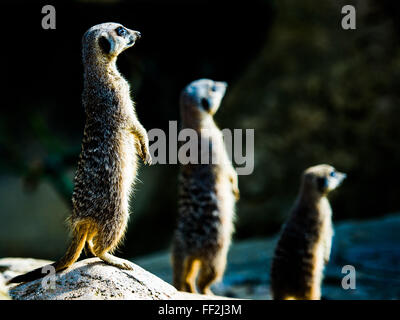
column 127, row 167
column 125, row 139
column 325, row 233
column 212, row 147
column 126, row 146
column 326, row 219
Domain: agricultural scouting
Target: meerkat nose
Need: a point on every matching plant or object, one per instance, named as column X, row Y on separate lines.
column 225, row 84
column 138, row 34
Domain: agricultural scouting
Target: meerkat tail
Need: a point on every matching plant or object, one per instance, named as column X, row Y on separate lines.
column 70, row 257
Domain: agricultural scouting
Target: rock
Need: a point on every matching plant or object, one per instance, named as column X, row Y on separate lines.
column 373, row 248
column 91, row 279
column 3, row 289
column 11, row 267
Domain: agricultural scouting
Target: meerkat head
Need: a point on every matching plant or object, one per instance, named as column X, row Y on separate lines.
column 322, row 179
column 203, row 96
column 108, row 40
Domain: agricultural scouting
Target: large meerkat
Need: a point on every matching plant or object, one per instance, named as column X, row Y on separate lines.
column 304, row 246
column 113, row 137
column 207, row 195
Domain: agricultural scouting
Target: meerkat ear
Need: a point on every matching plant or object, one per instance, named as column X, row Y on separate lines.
column 106, row 44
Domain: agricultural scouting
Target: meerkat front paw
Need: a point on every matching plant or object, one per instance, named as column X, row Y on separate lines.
column 235, row 186
column 142, row 143
column 146, row 157
column 143, row 152
column 236, row 193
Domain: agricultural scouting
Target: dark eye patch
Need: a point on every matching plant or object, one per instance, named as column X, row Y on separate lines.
column 205, row 104
column 121, row 31
column 105, row 45
column 322, row 184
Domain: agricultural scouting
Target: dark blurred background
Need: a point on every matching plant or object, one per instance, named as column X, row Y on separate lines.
column 313, row 92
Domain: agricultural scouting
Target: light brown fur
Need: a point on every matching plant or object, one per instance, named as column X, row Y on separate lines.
column 305, row 243
column 113, row 136
column 207, row 195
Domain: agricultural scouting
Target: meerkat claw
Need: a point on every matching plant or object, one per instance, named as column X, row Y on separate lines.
column 148, row 160
column 144, row 154
column 124, row 266
column 127, row 266
column 117, row 262
column 236, row 193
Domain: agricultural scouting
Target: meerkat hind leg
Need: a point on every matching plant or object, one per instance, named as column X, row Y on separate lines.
column 109, row 258
column 314, row 293
column 206, row 277
column 211, row 271
column 185, row 271
column 115, row 261
column 89, row 248
column 191, row 270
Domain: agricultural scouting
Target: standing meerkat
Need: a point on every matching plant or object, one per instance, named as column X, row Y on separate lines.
column 305, row 243
column 207, row 194
column 113, row 136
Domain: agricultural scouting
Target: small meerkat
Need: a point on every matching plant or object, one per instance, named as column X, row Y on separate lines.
column 113, row 136
column 305, row 243
column 207, row 194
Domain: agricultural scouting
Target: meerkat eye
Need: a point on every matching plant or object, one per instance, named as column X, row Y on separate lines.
column 121, row 31
column 214, row 88
column 333, row 174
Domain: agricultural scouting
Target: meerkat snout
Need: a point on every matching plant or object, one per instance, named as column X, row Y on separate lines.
column 223, row 83
column 335, row 179
column 136, row 35
column 129, row 36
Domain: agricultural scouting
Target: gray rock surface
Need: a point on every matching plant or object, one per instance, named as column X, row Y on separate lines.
column 3, row 289
column 90, row 279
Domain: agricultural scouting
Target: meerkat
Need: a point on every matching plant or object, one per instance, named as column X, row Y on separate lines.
column 113, row 137
column 305, row 243
column 207, row 194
